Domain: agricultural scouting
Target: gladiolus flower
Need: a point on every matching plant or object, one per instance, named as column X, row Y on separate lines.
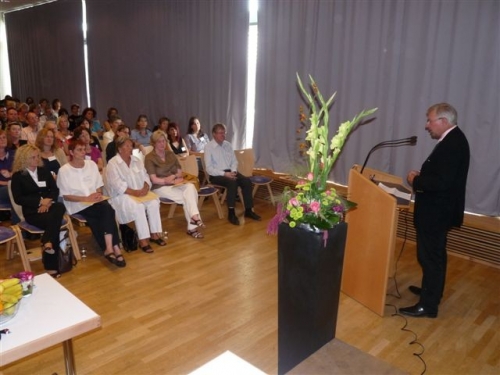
column 310, row 176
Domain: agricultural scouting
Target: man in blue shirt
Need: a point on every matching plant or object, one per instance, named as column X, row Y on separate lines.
column 222, row 167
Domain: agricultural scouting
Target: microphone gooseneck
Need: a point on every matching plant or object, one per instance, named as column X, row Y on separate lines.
column 410, row 141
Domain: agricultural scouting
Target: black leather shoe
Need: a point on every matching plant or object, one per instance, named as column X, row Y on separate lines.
column 418, row 311
column 252, row 215
column 233, row 219
column 415, row 290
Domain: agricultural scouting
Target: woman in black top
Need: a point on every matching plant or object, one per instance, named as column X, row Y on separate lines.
column 175, row 141
column 35, row 190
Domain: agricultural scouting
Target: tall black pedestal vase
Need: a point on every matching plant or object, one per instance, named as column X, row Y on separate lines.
column 309, row 277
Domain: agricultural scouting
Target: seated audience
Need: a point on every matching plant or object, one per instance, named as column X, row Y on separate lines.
column 12, row 115
column 29, row 132
column 167, row 178
column 53, row 157
column 63, row 126
column 175, row 142
column 22, row 111
column 94, row 141
column 95, row 126
column 74, row 116
column 121, row 131
column 141, row 135
column 60, row 140
column 14, row 136
column 114, row 122
column 91, row 152
column 162, row 124
column 195, row 138
column 222, row 167
column 126, row 180
column 80, row 184
column 3, row 115
column 6, row 160
column 35, row 190
column 111, row 112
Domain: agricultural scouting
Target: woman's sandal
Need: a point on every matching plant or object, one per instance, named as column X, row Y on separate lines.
column 194, row 233
column 158, row 241
column 120, row 260
column 198, row 223
column 147, row 249
column 111, row 257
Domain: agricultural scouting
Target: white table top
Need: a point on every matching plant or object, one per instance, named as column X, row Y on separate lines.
column 48, row 317
column 227, row 363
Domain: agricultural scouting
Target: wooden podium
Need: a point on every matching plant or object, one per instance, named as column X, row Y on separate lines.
column 371, row 238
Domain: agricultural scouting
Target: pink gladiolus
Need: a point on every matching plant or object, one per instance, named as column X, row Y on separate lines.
column 310, row 176
column 315, row 206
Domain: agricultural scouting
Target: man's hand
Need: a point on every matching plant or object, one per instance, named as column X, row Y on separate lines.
column 231, row 175
column 411, row 176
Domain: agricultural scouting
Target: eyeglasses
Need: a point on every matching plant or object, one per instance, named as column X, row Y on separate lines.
column 220, row 132
column 429, row 120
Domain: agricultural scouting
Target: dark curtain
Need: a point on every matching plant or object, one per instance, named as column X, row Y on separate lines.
column 170, row 58
column 399, row 56
column 45, row 46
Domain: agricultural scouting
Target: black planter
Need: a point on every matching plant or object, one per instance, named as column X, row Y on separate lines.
column 309, row 277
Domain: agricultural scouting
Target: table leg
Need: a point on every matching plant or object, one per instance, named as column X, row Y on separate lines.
column 69, row 357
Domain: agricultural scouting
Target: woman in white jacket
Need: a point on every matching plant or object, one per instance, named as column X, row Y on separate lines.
column 128, row 185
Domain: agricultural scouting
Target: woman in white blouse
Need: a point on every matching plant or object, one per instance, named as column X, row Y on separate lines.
column 128, row 185
column 80, row 184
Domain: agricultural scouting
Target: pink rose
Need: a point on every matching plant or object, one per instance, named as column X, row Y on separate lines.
column 294, row 202
column 315, row 206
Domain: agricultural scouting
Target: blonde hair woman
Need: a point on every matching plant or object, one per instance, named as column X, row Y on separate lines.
column 52, row 156
column 35, row 190
column 166, row 175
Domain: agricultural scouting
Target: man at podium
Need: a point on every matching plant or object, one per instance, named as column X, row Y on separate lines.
column 439, row 189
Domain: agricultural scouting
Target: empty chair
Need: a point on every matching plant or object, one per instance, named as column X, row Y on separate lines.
column 246, row 161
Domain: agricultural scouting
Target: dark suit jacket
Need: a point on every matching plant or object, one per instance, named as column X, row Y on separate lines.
column 440, row 187
column 27, row 193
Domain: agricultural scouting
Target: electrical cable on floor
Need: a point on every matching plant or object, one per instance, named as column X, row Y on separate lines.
column 398, row 296
column 415, row 337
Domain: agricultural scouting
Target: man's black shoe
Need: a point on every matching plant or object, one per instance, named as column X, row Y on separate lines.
column 418, row 311
column 233, row 219
column 415, row 290
column 252, row 215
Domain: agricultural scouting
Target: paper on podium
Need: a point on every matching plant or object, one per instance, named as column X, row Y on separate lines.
column 401, row 193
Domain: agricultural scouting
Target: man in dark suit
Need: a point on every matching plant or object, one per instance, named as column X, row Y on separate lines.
column 439, row 189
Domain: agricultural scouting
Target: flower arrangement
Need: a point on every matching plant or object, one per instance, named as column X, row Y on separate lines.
column 312, row 202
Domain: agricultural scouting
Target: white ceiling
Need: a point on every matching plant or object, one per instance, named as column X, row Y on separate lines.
column 9, row 5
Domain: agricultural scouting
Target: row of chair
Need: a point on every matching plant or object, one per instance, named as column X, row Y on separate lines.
column 13, row 235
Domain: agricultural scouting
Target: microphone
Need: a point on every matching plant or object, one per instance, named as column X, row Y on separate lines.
column 410, row 141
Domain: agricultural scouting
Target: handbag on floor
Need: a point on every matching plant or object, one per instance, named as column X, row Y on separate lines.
column 65, row 257
column 130, row 240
